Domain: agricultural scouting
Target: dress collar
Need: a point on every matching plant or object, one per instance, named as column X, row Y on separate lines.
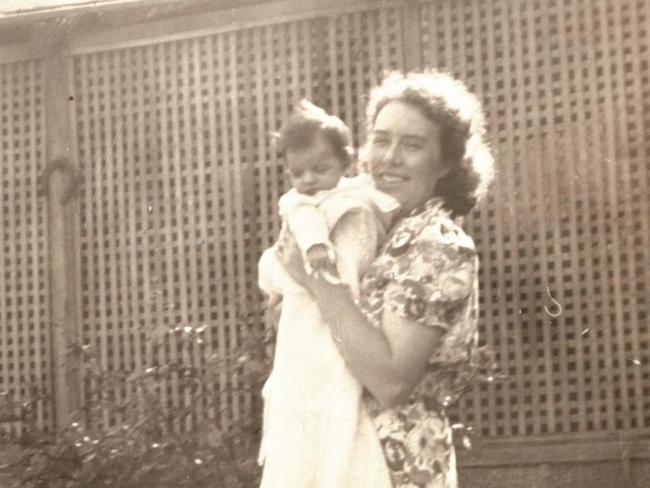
column 433, row 204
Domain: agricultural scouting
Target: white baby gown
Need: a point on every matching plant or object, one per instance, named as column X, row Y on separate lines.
column 317, row 433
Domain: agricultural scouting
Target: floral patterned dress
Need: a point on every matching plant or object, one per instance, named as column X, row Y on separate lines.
column 436, row 266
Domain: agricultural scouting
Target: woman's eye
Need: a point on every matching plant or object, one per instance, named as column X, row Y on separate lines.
column 412, row 145
column 295, row 174
column 320, row 169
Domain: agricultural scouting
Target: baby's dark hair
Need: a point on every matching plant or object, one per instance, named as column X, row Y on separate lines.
column 446, row 101
column 305, row 124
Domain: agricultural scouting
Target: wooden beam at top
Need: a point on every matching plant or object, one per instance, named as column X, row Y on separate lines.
column 26, row 16
column 225, row 20
column 10, row 53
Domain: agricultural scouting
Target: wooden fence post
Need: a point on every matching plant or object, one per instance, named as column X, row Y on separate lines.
column 59, row 180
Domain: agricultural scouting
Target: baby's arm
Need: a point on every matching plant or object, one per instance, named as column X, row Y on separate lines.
column 309, row 227
column 356, row 237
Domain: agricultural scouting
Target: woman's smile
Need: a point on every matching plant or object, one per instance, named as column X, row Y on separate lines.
column 391, row 178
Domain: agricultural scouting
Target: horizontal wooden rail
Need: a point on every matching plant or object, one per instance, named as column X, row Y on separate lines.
column 527, row 452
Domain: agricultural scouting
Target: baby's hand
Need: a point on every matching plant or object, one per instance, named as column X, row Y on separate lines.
column 320, row 258
column 321, row 261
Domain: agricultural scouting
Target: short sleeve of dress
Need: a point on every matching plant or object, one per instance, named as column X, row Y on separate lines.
column 434, row 275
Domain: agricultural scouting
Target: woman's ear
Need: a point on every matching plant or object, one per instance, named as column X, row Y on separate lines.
column 447, row 168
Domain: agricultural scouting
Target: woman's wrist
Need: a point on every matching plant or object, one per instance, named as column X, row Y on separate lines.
column 333, row 299
column 340, row 311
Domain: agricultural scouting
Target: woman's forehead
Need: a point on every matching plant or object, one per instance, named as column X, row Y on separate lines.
column 404, row 119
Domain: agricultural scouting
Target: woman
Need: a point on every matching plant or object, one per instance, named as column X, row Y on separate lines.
column 410, row 338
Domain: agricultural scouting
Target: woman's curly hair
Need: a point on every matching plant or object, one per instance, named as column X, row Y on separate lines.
column 306, row 123
column 447, row 102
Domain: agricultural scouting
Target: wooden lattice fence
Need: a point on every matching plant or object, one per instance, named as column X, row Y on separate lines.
column 25, row 345
column 170, row 132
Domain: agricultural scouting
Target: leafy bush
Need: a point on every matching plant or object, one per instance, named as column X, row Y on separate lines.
column 143, row 441
column 127, row 435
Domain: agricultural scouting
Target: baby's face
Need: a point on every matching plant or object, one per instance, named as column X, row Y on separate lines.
column 314, row 168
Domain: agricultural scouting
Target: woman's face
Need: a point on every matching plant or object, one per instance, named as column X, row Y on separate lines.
column 403, row 154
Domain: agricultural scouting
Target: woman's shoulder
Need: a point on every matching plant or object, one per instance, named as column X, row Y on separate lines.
column 444, row 231
column 432, row 231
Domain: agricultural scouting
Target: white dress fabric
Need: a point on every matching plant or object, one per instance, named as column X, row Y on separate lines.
column 317, row 433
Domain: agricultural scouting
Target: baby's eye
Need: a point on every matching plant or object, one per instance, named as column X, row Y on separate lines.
column 295, row 173
column 321, row 169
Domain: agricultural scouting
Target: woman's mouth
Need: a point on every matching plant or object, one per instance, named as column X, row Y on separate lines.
column 391, row 178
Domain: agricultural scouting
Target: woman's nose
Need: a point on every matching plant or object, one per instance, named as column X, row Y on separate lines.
column 392, row 155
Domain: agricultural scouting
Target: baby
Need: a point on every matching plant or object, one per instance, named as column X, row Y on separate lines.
column 318, row 154
column 314, row 423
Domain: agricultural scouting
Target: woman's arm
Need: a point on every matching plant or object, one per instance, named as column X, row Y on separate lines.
column 389, row 361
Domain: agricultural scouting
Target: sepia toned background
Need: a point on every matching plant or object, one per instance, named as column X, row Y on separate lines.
column 139, row 187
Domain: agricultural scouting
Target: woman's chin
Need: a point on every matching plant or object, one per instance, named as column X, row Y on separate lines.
column 394, row 189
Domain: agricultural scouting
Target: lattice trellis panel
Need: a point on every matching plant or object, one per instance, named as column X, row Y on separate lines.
column 348, row 55
column 182, row 180
column 25, row 359
column 566, row 89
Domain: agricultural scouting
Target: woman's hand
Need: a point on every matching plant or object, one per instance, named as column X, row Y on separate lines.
column 290, row 256
column 323, row 290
